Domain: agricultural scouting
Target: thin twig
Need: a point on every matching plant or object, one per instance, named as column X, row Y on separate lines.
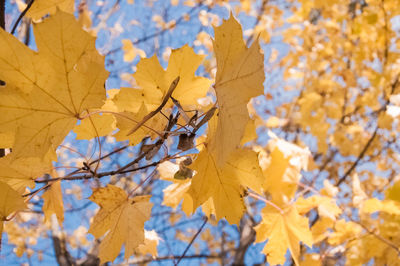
column 360, row 156
column 22, row 15
column 193, row 239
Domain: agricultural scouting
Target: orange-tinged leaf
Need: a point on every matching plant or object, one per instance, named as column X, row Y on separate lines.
column 43, row 7
column 240, row 77
column 10, row 201
column 121, row 219
column 47, row 91
column 53, row 202
column 225, row 184
column 284, row 230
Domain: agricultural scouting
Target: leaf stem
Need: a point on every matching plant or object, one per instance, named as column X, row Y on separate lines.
column 256, row 196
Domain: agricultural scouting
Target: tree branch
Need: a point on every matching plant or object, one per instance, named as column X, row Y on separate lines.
column 247, row 237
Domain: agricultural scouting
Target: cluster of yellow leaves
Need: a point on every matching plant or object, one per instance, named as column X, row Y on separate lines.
column 223, row 168
column 153, row 84
column 343, row 66
column 46, row 92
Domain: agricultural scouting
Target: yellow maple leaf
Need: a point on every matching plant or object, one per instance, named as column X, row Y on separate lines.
column 121, row 219
column 275, row 184
column 6, row 140
column 374, row 205
column 150, row 243
column 43, row 7
column 53, row 202
column 47, row 91
column 344, row 230
column 320, row 229
column 154, row 82
column 326, row 206
column 240, row 77
column 21, row 173
column 175, row 193
column 393, row 193
column 284, row 229
column 10, row 201
column 130, row 51
column 153, row 127
column 282, row 174
column 225, row 184
column 95, row 126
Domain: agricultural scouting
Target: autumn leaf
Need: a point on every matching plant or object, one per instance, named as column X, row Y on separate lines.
column 95, row 126
column 326, row 206
column 153, row 127
column 344, row 230
column 130, row 51
column 53, row 202
column 6, row 140
column 48, row 91
column 120, row 219
column 374, row 205
column 40, row 8
column 124, row 120
column 150, row 243
column 10, row 201
column 284, row 230
column 154, row 82
column 225, row 185
column 21, row 173
column 240, row 77
column 176, row 192
column 282, row 174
